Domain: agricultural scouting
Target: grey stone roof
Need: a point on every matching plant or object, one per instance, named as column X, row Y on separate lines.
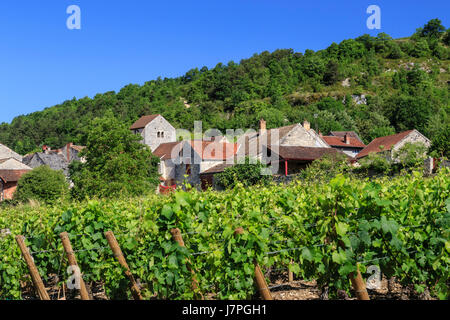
column 54, row 160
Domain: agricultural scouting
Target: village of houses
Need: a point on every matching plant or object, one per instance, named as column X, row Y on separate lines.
column 295, row 146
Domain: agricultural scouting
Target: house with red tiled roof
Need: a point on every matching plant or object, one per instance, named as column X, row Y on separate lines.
column 389, row 144
column 11, row 170
column 349, row 144
column 155, row 130
column 190, row 158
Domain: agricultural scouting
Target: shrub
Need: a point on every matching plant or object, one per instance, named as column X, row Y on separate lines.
column 411, row 155
column 326, row 168
column 42, row 184
column 116, row 163
column 246, row 173
column 374, row 163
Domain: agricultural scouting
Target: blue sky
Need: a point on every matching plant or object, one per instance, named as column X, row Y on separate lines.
column 42, row 63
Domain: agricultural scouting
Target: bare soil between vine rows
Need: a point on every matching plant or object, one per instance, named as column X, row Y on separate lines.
column 283, row 290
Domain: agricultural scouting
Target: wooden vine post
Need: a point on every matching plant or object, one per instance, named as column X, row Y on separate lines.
column 290, row 273
column 112, row 241
column 359, row 286
column 73, row 262
column 37, row 281
column 357, row 281
column 177, row 237
column 260, row 280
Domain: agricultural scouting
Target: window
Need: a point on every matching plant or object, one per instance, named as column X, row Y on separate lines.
column 159, row 134
column 162, row 134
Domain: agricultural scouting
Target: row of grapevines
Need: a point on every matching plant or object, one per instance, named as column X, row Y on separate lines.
column 321, row 231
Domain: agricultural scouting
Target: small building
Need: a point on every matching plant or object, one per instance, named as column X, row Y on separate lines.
column 11, row 170
column 155, row 130
column 349, row 144
column 389, row 144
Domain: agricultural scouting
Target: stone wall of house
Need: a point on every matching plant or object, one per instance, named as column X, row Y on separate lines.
column 167, row 169
column 413, row 137
column 299, row 136
column 150, row 133
column 205, row 165
column 194, row 177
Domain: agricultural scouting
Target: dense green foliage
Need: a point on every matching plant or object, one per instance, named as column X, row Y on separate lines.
column 247, row 173
column 116, row 163
column 42, row 184
column 401, row 224
column 405, row 82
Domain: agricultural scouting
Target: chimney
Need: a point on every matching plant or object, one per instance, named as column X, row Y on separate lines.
column 45, row 148
column 347, row 139
column 262, row 126
column 306, row 125
column 320, row 134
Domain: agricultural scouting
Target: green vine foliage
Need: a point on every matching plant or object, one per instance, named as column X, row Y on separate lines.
column 320, row 231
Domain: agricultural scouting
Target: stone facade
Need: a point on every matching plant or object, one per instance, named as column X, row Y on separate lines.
column 414, row 137
column 156, row 132
column 303, row 137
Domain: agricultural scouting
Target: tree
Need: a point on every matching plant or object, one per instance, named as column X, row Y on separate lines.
column 331, row 75
column 408, row 112
column 116, row 163
column 42, row 184
column 433, row 29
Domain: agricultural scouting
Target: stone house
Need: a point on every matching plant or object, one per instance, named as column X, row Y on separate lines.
column 178, row 160
column 255, row 144
column 191, row 158
column 11, row 170
column 390, row 144
column 154, row 130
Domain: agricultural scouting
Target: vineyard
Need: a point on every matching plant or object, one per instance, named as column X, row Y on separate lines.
column 318, row 231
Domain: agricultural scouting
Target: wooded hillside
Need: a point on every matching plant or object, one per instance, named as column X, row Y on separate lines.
column 404, row 83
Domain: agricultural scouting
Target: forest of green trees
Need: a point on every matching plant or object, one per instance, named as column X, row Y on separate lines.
column 405, row 82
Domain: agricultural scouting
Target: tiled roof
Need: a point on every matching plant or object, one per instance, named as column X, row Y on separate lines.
column 303, row 153
column 164, row 150
column 218, row 168
column 13, row 164
column 12, row 175
column 387, row 142
column 340, row 142
column 143, row 121
column 211, row 150
column 343, row 133
column 6, row 153
column 266, row 138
